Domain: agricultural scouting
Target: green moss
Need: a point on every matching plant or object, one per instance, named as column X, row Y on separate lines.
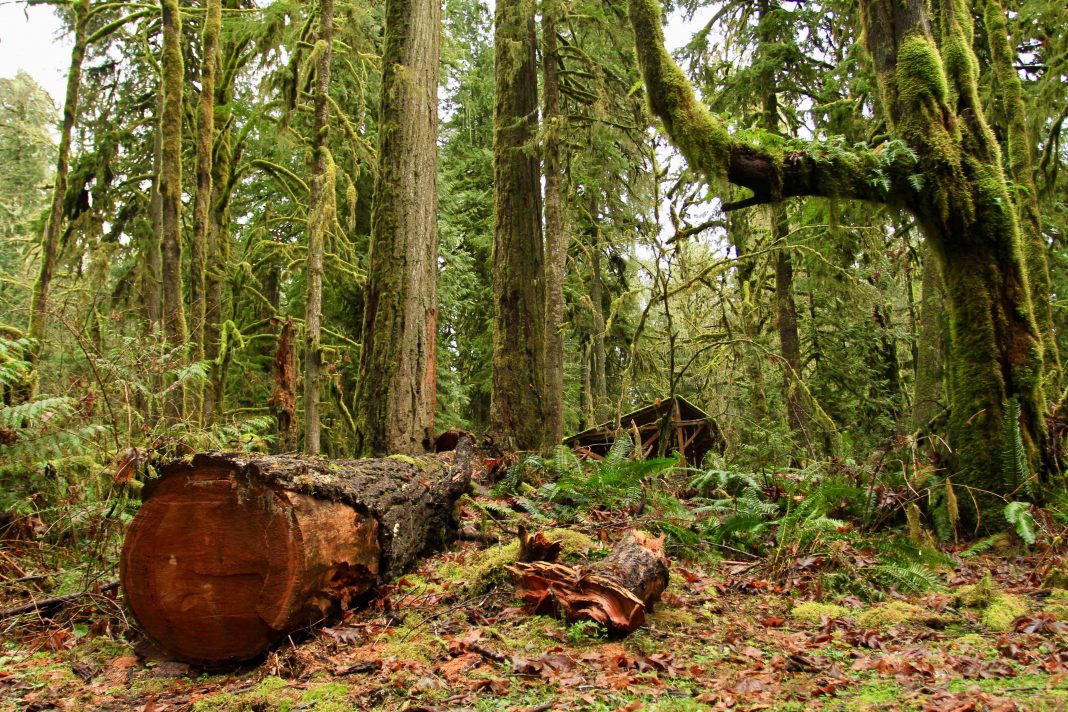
column 997, row 610
column 812, row 612
column 273, row 694
column 572, row 543
column 979, row 595
column 492, row 565
column 1057, row 577
column 1002, row 611
column 895, row 613
column 329, row 697
column 920, row 76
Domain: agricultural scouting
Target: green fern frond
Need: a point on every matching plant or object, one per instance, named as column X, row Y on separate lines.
column 1014, row 469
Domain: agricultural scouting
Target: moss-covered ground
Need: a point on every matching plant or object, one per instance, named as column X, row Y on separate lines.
column 451, row 636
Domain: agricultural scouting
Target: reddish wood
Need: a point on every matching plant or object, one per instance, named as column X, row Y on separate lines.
column 616, row 592
column 231, row 553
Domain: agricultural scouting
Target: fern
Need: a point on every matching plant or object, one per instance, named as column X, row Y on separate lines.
column 979, row 547
column 1019, row 515
column 907, row 578
column 1014, row 469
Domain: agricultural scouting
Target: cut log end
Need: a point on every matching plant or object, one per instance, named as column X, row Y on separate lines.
column 217, row 567
column 616, row 592
column 231, row 553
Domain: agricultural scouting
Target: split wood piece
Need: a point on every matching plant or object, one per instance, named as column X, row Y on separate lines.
column 616, row 592
column 232, row 552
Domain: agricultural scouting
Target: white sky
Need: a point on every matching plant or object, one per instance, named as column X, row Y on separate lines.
column 31, row 39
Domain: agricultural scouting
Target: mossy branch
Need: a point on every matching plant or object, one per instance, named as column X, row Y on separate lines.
column 770, row 168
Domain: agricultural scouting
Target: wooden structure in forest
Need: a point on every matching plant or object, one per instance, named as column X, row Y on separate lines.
column 663, row 426
column 232, row 552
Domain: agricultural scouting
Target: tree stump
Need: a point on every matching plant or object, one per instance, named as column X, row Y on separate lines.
column 615, row 592
column 232, row 552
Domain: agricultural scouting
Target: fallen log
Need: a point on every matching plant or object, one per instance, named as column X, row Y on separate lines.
column 615, row 592
column 231, row 552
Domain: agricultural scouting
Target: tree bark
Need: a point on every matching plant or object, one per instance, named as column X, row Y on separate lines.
column 1020, row 164
column 320, row 215
column 397, row 386
column 218, row 245
column 205, row 143
column 54, row 223
column 615, row 592
column 232, row 552
column 517, row 412
column 556, row 238
column 284, row 398
column 153, row 279
column 170, row 186
column 930, row 346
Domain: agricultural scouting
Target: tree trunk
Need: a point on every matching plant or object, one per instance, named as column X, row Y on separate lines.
column 930, row 346
column 232, row 552
column 396, row 392
column 284, row 398
column 320, row 216
column 966, row 212
column 615, row 592
column 54, row 223
column 153, row 279
column 598, row 355
column 170, row 187
column 218, row 242
column 789, row 338
column 555, row 229
column 517, row 413
column 1019, row 152
column 205, row 142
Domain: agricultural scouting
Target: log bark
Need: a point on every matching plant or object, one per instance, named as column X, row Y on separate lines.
column 231, row 552
column 616, row 592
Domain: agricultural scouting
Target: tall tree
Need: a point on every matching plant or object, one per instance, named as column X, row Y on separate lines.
column 205, row 144
column 396, row 390
column 516, row 410
column 172, row 76
column 54, row 223
column 321, row 209
column 555, row 227
column 946, row 170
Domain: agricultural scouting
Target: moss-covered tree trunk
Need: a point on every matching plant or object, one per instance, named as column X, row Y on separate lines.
column 54, row 222
column 218, row 237
column 396, row 391
column 930, row 93
column 170, row 184
column 152, row 291
column 1020, row 164
column 517, row 413
column 320, row 215
column 952, row 180
column 929, row 399
column 555, row 228
column 205, row 140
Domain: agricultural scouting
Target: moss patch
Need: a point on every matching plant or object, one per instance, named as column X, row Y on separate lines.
column 997, row 610
column 1002, row 611
column 895, row 613
column 812, row 612
column 492, row 564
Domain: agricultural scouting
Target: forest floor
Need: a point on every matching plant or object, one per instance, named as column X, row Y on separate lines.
column 451, row 636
